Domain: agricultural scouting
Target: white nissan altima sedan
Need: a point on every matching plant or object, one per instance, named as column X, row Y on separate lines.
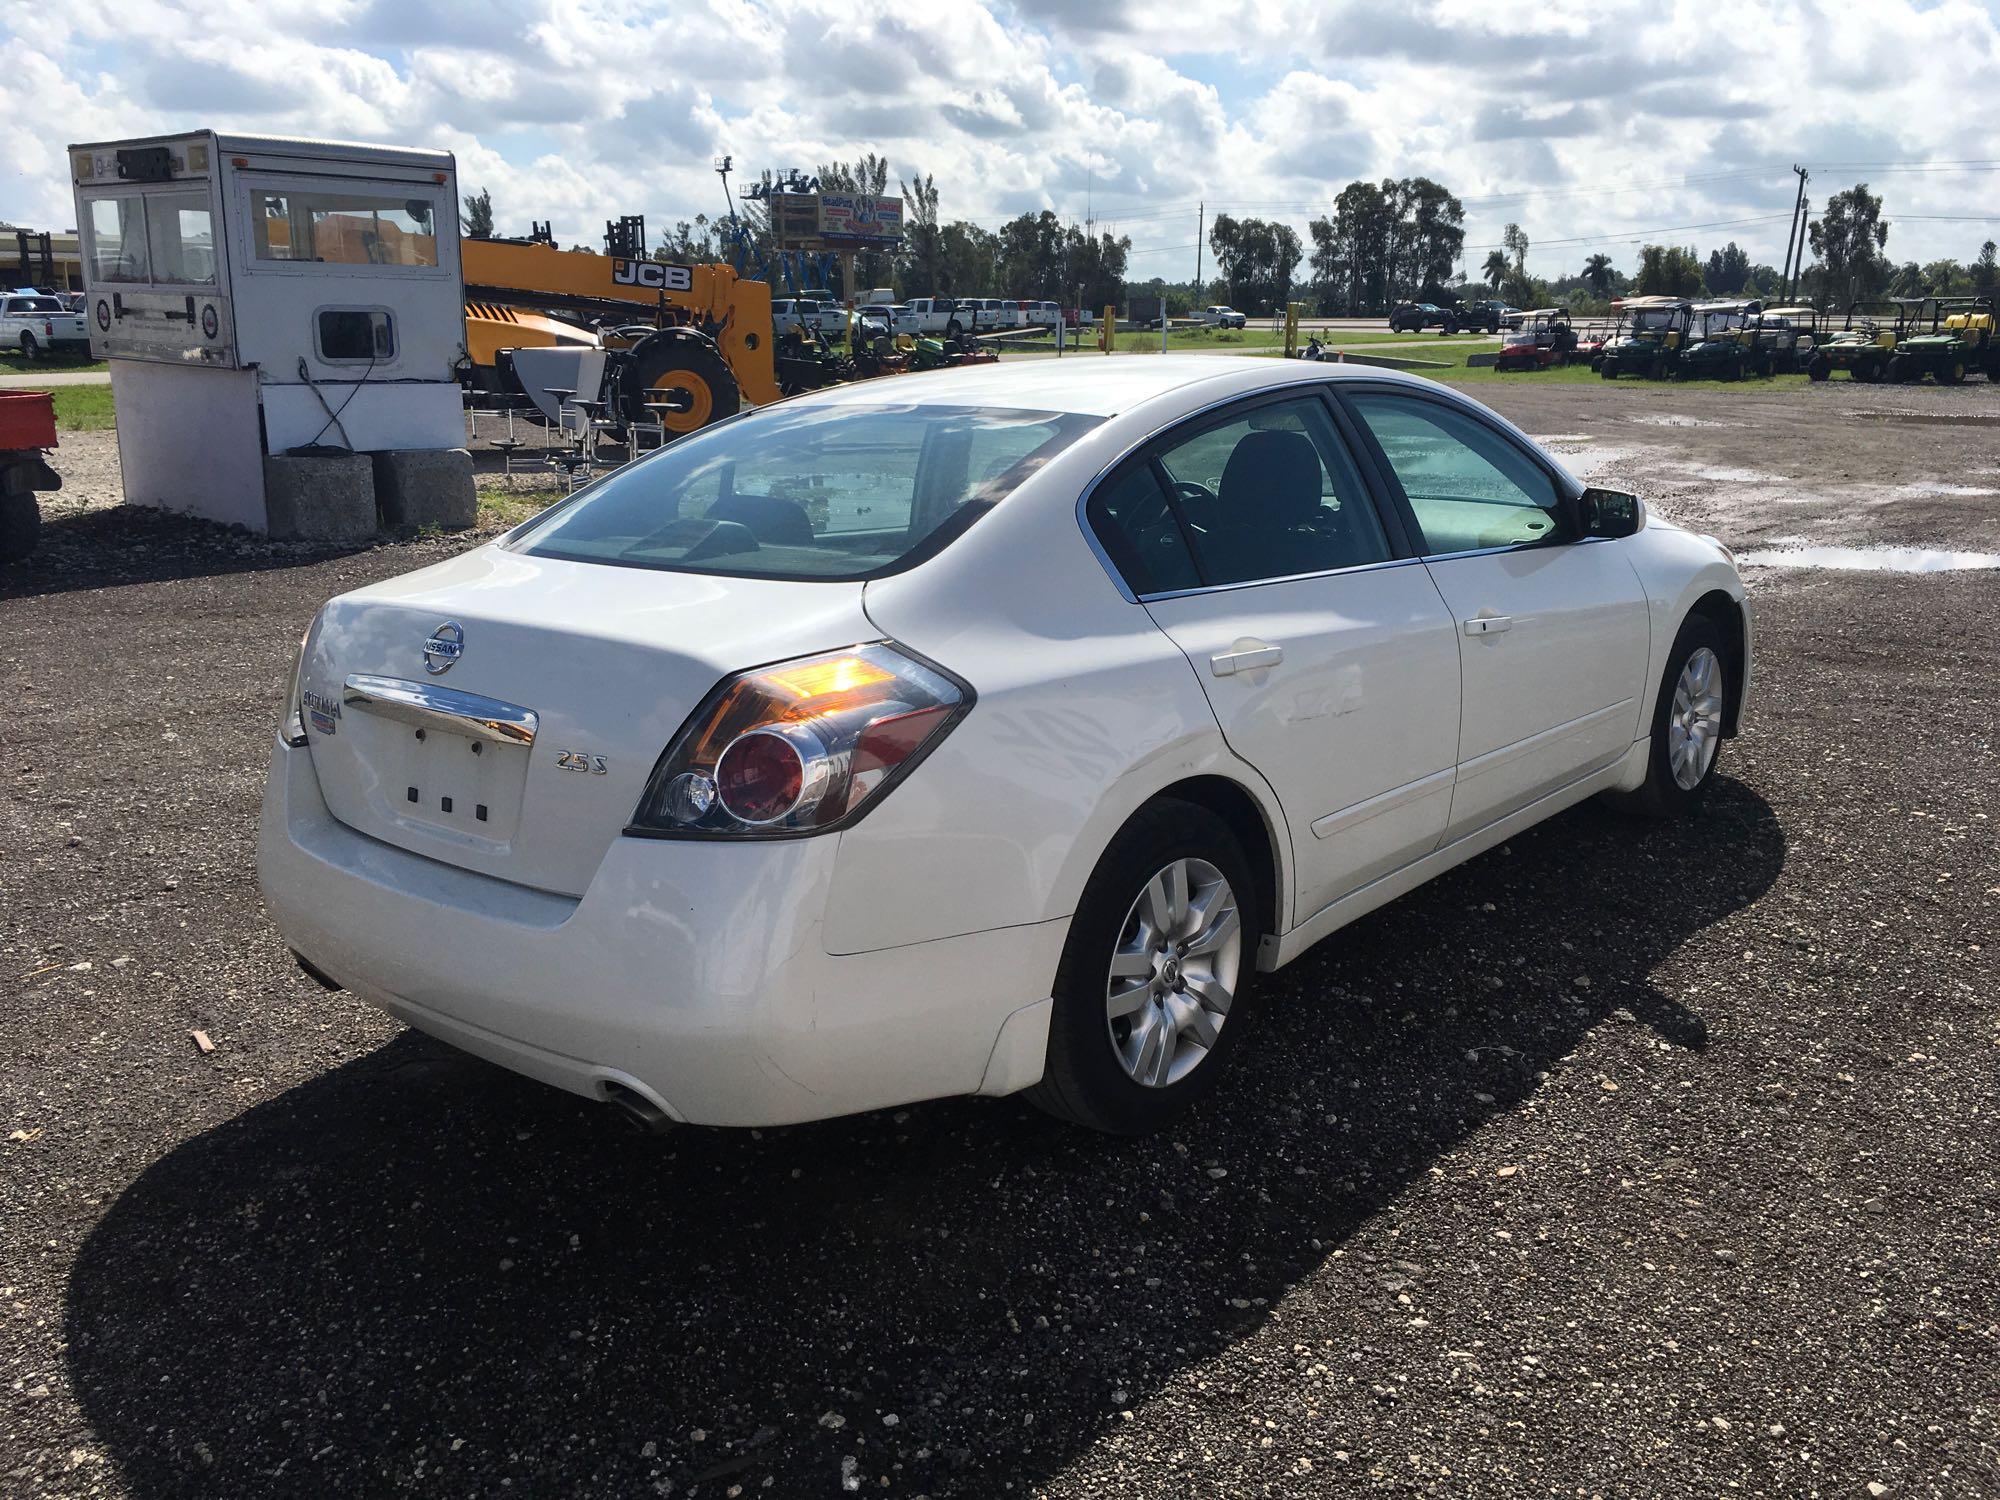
column 978, row 732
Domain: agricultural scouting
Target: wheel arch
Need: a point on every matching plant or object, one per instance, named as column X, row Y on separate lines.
column 1731, row 618
column 1232, row 802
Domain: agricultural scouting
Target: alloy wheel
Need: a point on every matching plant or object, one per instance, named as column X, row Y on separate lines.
column 1694, row 722
column 1174, row 973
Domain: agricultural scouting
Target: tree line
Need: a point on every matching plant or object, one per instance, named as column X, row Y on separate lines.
column 1401, row 239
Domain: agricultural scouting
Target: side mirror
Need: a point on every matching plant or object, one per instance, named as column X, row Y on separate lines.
column 1610, row 513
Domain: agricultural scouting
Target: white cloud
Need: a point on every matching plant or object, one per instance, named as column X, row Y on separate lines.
column 1580, row 119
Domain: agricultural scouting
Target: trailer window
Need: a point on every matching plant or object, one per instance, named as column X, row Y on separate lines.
column 346, row 229
column 182, row 237
column 118, row 240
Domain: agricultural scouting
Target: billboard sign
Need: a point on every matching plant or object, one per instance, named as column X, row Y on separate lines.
column 848, row 219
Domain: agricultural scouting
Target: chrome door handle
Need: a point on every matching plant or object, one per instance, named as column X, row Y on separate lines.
column 1247, row 657
column 1488, row 624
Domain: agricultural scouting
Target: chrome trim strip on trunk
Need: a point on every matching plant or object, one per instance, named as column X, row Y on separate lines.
column 441, row 708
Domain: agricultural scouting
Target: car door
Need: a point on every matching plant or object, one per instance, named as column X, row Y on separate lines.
column 1324, row 649
column 1553, row 629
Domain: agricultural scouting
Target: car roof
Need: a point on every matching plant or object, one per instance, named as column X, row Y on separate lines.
column 1092, row 385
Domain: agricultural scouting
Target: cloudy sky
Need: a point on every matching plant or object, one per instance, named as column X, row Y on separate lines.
column 1593, row 123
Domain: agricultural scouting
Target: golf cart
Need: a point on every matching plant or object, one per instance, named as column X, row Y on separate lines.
column 1782, row 340
column 1718, row 342
column 1948, row 339
column 1864, row 344
column 1655, row 328
column 1544, row 338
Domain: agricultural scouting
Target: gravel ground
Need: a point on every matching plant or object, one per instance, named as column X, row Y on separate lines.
column 1622, row 1161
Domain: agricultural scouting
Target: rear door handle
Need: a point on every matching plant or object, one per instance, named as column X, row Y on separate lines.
column 1488, row 624
column 1248, row 656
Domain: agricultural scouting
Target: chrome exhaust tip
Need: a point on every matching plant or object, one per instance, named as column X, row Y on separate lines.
column 641, row 1113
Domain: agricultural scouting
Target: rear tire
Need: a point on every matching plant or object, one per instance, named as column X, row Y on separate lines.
column 1819, row 369
column 1951, row 372
column 1687, row 723
column 1868, row 371
column 30, row 350
column 1154, row 975
column 20, row 524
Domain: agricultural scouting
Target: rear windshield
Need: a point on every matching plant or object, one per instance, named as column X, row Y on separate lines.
column 822, row 492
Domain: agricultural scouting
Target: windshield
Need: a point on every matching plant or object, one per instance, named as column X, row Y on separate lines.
column 825, row 492
column 1657, row 320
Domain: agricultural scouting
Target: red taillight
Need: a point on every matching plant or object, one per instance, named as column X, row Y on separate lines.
column 800, row 746
column 759, row 777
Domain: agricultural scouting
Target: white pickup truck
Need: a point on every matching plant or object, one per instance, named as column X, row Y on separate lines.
column 956, row 315
column 37, row 323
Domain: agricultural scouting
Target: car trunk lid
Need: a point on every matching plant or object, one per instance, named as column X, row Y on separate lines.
column 502, row 712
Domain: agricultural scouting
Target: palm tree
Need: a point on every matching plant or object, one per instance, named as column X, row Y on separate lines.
column 1495, row 270
column 1597, row 274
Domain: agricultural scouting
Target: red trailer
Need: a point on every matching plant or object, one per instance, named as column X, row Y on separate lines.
column 27, row 432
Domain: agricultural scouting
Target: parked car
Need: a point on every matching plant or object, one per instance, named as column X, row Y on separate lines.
column 1223, row 317
column 945, row 736
column 956, row 315
column 1043, row 314
column 37, row 323
column 877, row 318
column 789, row 313
column 1414, row 317
column 1487, row 317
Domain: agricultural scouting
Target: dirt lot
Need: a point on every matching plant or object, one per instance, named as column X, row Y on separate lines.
column 1622, row 1161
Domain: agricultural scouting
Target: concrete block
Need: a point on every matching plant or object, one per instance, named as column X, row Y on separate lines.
column 320, row 499
column 426, row 487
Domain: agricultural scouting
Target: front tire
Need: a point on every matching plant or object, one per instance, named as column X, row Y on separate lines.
column 1150, row 990
column 1687, row 723
column 684, row 370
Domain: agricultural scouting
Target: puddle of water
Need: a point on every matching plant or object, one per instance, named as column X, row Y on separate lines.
column 1958, row 491
column 1546, row 438
column 1871, row 559
column 1673, row 420
column 1733, row 476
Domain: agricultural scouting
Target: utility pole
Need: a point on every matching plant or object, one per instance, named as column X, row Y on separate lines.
column 1799, row 265
column 1791, row 238
column 1200, row 223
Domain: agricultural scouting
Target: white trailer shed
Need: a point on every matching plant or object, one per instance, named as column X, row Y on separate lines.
column 260, row 295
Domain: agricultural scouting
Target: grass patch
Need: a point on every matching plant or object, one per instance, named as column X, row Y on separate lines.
column 83, row 408
column 505, row 507
column 13, row 364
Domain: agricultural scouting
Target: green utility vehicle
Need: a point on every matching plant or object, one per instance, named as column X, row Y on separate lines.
column 1718, row 343
column 1782, row 339
column 1949, row 338
column 1864, row 344
column 1655, row 328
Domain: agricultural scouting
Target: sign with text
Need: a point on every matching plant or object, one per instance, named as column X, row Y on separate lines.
column 849, row 219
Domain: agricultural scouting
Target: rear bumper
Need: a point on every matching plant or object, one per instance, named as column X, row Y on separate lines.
column 692, row 973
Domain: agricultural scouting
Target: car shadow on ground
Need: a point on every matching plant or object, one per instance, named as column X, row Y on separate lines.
column 416, row 1265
